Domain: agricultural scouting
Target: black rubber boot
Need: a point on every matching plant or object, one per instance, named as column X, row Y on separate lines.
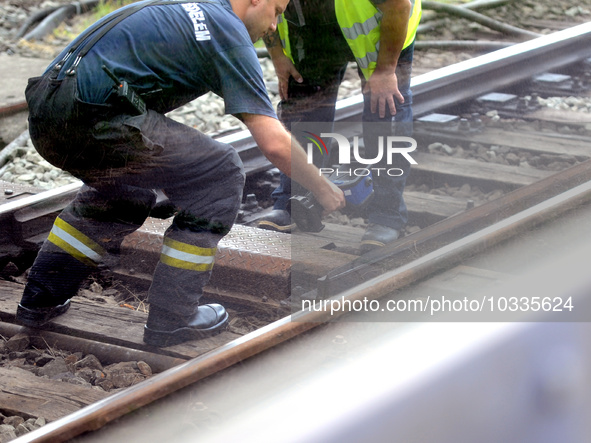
column 165, row 328
column 53, row 280
column 277, row 220
column 37, row 317
column 378, row 236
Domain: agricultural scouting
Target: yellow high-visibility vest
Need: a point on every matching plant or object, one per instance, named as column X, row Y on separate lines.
column 359, row 21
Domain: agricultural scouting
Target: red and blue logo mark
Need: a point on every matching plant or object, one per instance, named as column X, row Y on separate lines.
column 317, row 141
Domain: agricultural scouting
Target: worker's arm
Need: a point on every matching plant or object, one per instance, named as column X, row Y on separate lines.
column 383, row 84
column 284, row 68
column 283, row 151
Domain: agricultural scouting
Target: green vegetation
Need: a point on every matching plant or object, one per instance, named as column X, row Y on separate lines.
column 104, row 7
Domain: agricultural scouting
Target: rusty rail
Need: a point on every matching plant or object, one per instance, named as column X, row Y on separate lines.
column 97, row 415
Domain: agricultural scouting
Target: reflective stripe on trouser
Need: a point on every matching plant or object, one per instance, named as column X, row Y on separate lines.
column 72, row 241
column 188, row 252
column 202, row 177
column 66, row 258
column 82, row 236
column 182, row 272
column 185, row 256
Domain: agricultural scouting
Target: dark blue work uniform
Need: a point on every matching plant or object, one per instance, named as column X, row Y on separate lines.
column 170, row 54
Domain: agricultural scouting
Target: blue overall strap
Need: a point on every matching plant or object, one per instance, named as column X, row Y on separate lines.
column 99, row 32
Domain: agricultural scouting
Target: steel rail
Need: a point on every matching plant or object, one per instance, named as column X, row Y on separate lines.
column 458, row 82
column 31, row 202
column 500, row 69
column 15, row 214
column 433, row 90
column 448, row 230
column 493, row 71
column 99, row 414
column 107, row 353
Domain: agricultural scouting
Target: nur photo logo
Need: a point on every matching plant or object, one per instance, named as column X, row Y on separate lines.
column 349, row 153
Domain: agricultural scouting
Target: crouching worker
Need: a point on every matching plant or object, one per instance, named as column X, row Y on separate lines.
column 98, row 112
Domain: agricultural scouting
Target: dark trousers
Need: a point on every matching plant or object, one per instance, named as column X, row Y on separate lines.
column 315, row 100
column 122, row 159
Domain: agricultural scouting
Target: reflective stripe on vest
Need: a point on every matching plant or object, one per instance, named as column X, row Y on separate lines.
column 364, row 28
column 75, row 243
column 185, row 256
column 360, row 23
column 284, row 36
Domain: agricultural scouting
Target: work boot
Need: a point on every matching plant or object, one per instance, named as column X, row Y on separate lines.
column 377, row 236
column 165, row 328
column 37, row 317
column 277, row 220
column 37, row 306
